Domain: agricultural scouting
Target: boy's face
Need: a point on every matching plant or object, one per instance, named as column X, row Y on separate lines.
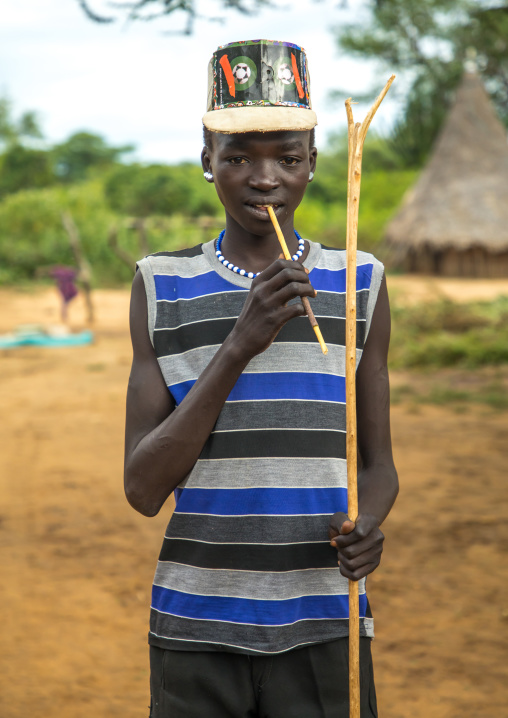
column 253, row 169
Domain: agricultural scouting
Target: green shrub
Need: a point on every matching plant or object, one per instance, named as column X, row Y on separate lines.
column 443, row 334
column 32, row 233
column 160, row 190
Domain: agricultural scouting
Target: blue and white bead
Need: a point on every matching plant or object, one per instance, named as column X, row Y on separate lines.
column 301, row 247
column 243, row 272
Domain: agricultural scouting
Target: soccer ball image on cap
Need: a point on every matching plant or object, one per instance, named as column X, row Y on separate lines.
column 285, row 74
column 241, row 73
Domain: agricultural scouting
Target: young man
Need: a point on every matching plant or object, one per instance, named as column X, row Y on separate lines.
column 232, row 406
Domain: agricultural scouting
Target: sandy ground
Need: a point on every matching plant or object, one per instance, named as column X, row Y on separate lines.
column 77, row 561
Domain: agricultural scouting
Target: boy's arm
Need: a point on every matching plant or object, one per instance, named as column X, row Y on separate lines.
column 162, row 443
column 359, row 546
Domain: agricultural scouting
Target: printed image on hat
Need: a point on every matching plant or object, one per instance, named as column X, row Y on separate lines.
column 259, row 86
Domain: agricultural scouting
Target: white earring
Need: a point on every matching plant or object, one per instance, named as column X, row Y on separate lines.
column 208, row 176
column 311, row 176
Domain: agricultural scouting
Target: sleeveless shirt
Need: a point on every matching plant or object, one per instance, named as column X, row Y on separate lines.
column 246, row 564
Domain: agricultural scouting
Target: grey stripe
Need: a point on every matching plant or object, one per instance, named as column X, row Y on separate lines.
column 254, row 529
column 252, row 639
column 288, row 414
column 334, row 259
column 181, row 266
column 214, row 306
column 267, row 473
column 377, row 276
column 146, row 270
column 207, row 261
column 258, row 585
column 278, row 357
column 209, row 252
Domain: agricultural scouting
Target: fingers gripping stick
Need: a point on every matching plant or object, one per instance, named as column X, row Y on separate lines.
column 305, row 301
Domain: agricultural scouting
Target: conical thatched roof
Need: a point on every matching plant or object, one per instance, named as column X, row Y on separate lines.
column 460, row 200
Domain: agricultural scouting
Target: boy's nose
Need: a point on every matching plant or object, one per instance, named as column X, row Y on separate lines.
column 264, row 177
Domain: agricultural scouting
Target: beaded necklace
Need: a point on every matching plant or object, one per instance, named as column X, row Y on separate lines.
column 243, row 272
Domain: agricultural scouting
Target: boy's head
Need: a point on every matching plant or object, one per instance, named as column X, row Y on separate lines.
column 259, row 131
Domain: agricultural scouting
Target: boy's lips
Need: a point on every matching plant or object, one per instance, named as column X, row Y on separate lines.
column 259, row 209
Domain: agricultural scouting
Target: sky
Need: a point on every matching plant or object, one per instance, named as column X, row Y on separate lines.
column 133, row 83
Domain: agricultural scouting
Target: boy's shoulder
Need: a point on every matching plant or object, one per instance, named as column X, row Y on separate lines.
column 187, row 260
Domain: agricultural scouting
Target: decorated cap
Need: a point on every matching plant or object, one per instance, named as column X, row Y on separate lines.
column 258, row 86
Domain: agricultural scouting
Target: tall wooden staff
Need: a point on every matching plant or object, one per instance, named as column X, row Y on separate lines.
column 356, row 137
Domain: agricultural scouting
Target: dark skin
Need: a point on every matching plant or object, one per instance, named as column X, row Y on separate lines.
column 163, row 442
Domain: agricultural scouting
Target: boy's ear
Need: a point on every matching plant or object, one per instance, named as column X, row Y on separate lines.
column 206, row 160
column 313, row 159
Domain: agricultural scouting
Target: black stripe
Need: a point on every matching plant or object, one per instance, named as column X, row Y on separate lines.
column 333, row 249
column 200, row 309
column 277, row 415
column 254, row 529
column 222, row 636
column 275, row 442
column 230, row 304
column 201, row 334
column 252, row 557
column 186, row 252
column 191, row 336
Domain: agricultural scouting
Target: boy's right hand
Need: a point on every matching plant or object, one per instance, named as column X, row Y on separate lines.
column 266, row 308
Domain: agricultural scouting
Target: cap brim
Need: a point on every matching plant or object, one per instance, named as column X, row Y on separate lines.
column 231, row 120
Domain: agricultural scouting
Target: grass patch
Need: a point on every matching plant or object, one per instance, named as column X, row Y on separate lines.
column 493, row 395
column 446, row 334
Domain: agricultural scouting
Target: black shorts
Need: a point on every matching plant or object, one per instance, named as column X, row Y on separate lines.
column 310, row 682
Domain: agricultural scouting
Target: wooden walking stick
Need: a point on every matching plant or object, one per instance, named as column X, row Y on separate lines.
column 356, row 137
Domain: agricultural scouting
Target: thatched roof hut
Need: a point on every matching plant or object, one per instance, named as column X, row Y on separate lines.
column 454, row 221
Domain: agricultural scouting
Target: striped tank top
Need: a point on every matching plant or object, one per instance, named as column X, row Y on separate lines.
column 246, row 565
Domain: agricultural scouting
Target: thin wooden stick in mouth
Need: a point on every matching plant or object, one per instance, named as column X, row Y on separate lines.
column 305, row 300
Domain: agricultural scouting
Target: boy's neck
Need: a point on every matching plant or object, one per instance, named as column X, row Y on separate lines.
column 254, row 252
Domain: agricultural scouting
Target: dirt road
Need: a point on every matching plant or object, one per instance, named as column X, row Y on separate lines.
column 77, row 561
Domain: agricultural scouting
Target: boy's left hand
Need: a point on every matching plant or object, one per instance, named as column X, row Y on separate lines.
column 359, row 545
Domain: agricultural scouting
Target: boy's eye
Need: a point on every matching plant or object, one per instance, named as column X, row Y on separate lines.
column 290, row 160
column 237, row 160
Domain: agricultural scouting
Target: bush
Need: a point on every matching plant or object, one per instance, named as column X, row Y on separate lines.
column 443, row 334
column 160, row 190
column 23, row 168
column 32, row 234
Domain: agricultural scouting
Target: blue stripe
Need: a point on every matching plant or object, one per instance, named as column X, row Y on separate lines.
column 277, row 385
column 262, row 501
column 172, row 287
column 251, row 611
column 333, row 280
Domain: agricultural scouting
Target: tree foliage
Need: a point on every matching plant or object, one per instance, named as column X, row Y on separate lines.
column 16, row 131
column 160, row 190
column 82, row 151
column 24, row 168
column 429, row 41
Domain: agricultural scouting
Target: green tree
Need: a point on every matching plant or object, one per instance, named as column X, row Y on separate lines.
column 83, row 151
column 24, row 168
column 13, row 131
column 428, row 41
column 160, row 190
